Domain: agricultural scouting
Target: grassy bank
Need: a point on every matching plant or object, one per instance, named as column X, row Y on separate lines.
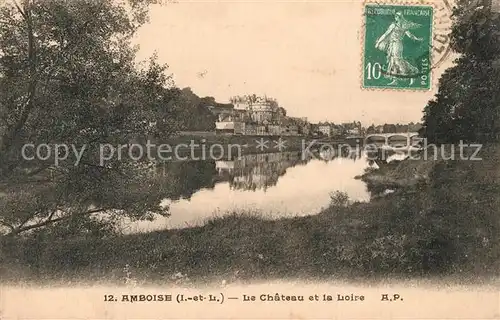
column 449, row 225
column 418, row 169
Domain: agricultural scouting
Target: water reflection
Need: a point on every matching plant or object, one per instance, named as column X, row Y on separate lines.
column 257, row 171
column 273, row 184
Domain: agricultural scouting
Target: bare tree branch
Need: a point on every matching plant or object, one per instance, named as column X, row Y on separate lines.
column 50, row 220
column 37, row 171
column 19, row 9
column 27, row 219
column 11, row 227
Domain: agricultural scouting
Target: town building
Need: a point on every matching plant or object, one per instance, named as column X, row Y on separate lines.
column 290, row 130
column 305, row 129
column 259, row 111
column 274, row 129
column 221, row 111
column 289, row 127
column 227, row 124
column 325, row 129
column 336, row 130
column 262, row 130
column 354, row 131
column 258, row 116
column 250, row 129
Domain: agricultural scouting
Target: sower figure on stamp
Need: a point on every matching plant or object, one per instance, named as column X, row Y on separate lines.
column 391, row 42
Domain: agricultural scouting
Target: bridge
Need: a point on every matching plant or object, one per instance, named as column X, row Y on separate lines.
column 393, row 140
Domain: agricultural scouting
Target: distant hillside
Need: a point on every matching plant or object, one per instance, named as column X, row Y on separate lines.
column 195, row 114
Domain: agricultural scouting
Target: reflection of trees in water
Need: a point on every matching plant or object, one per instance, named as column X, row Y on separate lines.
column 261, row 171
column 187, row 177
column 328, row 153
column 249, row 172
column 352, row 154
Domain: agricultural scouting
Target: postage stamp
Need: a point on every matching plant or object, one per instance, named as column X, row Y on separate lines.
column 397, row 47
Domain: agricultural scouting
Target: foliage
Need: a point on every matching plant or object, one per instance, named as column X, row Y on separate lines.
column 339, row 198
column 195, row 115
column 68, row 76
column 424, row 230
column 466, row 106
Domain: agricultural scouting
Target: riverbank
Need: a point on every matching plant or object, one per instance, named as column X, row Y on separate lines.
column 418, row 168
column 448, row 225
column 230, row 146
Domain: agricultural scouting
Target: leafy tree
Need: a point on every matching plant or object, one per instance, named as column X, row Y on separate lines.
column 68, row 76
column 195, row 116
column 339, row 199
column 466, row 106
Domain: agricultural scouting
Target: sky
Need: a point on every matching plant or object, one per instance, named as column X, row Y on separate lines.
column 307, row 55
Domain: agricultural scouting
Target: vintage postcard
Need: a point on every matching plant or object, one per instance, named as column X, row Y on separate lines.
column 249, row 159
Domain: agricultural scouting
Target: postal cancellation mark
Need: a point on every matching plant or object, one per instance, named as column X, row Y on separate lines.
column 398, row 46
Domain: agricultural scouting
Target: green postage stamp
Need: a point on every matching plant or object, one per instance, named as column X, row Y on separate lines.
column 397, row 46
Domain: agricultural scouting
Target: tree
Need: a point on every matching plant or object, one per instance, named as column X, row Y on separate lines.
column 68, row 76
column 466, row 106
column 195, row 115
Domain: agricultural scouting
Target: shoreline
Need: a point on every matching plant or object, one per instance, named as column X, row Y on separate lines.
column 412, row 233
column 228, row 147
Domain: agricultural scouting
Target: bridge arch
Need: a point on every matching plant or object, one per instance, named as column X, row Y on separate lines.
column 375, row 139
column 385, row 139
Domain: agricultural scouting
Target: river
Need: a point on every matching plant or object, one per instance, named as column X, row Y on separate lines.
column 272, row 185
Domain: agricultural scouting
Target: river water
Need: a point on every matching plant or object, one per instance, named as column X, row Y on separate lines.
column 272, row 185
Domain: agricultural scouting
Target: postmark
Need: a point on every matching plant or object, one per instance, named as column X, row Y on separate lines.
column 442, row 27
column 398, row 46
